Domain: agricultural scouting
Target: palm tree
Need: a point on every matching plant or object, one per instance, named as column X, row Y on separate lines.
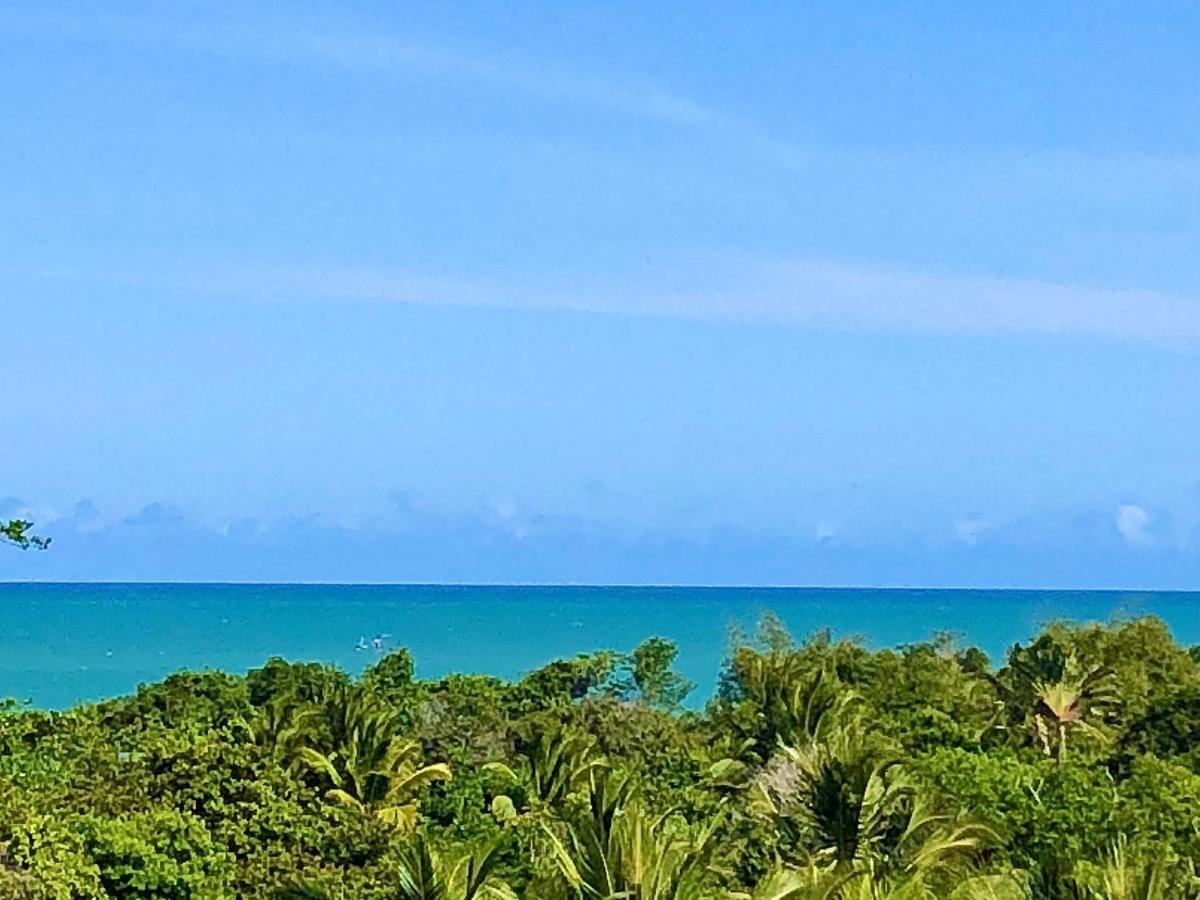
column 375, row 771
column 793, row 701
column 1069, row 703
column 1049, row 693
column 272, row 725
column 1051, row 878
column 552, row 763
column 327, row 721
column 618, row 850
column 786, row 883
column 1009, row 885
column 846, row 807
column 1121, row 877
column 816, row 883
column 426, row 875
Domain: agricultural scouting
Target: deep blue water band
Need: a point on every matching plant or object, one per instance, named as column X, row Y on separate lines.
column 62, row 643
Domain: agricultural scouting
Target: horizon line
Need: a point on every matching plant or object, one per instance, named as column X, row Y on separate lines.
column 553, row 585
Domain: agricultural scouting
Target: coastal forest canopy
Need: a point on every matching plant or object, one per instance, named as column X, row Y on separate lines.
column 819, row 769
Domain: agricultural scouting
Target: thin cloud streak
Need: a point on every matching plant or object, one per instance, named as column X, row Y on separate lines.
column 381, row 53
column 817, row 294
column 385, row 54
column 639, row 99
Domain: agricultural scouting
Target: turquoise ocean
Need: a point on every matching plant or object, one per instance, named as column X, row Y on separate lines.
column 65, row 643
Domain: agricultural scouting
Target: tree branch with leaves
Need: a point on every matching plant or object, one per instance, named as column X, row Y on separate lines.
column 18, row 533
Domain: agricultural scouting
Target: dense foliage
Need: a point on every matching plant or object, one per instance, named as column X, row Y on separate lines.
column 820, row 769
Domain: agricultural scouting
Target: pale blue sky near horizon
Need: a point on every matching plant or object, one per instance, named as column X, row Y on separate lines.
column 890, row 294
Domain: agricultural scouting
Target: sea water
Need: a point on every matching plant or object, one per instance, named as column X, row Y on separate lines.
column 65, row 643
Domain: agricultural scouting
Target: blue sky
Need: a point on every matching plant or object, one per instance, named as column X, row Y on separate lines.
column 872, row 294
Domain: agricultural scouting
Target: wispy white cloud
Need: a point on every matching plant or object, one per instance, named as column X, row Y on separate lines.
column 1133, row 523
column 809, row 293
column 967, row 531
column 383, row 55
column 880, row 297
column 389, row 54
column 825, row 533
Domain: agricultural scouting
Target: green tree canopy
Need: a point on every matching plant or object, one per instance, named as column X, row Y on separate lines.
column 19, row 533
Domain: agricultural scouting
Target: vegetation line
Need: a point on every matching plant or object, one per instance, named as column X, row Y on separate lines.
column 820, row 769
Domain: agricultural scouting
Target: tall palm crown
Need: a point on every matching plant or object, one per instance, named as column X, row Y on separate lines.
column 1049, row 692
column 1078, row 700
column 844, row 806
column 424, row 874
column 786, row 695
column 552, row 761
column 372, row 769
column 618, row 850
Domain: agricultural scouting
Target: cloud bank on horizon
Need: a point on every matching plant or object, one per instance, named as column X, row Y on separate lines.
column 860, row 296
column 1078, row 549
